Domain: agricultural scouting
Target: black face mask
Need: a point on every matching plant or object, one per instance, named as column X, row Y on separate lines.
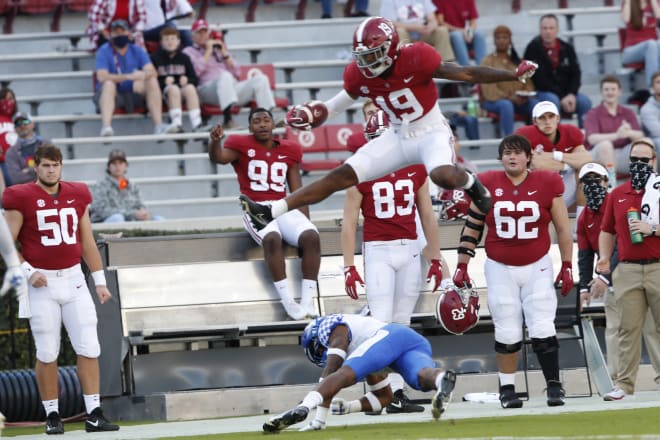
column 595, row 194
column 639, row 174
column 120, row 41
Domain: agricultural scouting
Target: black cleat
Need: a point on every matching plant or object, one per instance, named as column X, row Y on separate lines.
column 401, row 404
column 479, row 195
column 442, row 397
column 96, row 422
column 54, row 424
column 509, row 397
column 555, row 393
column 260, row 215
column 291, row 417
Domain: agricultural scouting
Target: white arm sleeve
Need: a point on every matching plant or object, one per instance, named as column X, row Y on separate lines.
column 338, row 103
column 7, row 248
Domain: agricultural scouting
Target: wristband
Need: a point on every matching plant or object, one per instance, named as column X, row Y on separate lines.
column 337, row 352
column 99, row 278
column 28, row 269
column 604, row 279
column 558, row 156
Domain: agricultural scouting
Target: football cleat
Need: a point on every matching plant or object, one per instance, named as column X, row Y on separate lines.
column 96, row 422
column 442, row 397
column 509, row 397
column 54, row 424
column 401, row 404
column 479, row 195
column 288, row 418
column 555, row 393
column 260, row 215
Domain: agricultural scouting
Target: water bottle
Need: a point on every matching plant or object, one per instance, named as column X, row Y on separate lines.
column 635, row 237
column 472, row 106
column 611, row 175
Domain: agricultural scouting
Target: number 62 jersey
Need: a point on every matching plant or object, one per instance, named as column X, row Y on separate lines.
column 49, row 237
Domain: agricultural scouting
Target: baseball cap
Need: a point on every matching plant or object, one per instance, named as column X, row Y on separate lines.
column 199, row 24
column 592, row 167
column 119, row 23
column 21, row 115
column 117, row 154
column 544, row 107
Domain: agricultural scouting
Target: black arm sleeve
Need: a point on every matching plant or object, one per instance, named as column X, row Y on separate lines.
column 585, row 267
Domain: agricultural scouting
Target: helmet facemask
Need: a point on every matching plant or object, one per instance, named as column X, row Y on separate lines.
column 372, row 62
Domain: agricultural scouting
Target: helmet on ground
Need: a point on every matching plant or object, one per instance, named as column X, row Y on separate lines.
column 454, row 204
column 457, row 310
column 375, row 45
column 315, row 351
column 376, row 125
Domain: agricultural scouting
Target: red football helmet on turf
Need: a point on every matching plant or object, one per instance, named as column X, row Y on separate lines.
column 454, row 204
column 457, row 310
column 375, row 44
column 376, row 125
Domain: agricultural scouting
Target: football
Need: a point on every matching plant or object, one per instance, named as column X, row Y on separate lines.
column 319, row 113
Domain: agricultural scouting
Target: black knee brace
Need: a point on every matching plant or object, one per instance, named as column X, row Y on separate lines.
column 507, row 348
column 545, row 345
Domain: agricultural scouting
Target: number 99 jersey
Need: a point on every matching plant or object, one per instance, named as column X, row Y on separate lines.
column 49, row 237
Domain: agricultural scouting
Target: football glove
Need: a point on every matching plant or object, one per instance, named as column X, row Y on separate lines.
column 300, row 117
column 314, row 425
column 339, row 406
column 565, row 278
column 351, row 277
column 435, row 272
column 526, row 70
column 461, row 278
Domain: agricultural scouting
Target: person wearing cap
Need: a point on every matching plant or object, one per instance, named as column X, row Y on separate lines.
column 20, row 157
column 610, row 128
column 126, row 78
column 594, row 181
column 163, row 14
column 115, row 198
column 102, row 13
column 636, row 278
column 557, row 147
column 559, row 76
column 218, row 74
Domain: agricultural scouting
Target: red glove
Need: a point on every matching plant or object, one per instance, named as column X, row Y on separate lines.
column 435, row 271
column 525, row 70
column 565, row 278
column 351, row 277
column 461, row 277
column 300, row 117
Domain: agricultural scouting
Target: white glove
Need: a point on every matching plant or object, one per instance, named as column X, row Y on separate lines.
column 339, row 406
column 314, row 425
column 15, row 279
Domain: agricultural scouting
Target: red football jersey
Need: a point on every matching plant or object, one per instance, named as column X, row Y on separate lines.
column 569, row 137
column 388, row 204
column 261, row 171
column 355, row 141
column 408, row 91
column 588, row 228
column 49, row 237
column 518, row 220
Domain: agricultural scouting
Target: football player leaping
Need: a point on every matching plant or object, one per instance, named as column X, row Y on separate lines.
column 354, row 347
column 399, row 79
column 518, row 268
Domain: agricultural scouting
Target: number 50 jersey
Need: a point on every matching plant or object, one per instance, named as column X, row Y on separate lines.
column 49, row 237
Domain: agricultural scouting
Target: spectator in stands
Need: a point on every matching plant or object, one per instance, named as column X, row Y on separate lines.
column 177, row 80
column 559, row 77
column 393, row 239
column 610, row 128
column 115, row 198
column 636, row 286
column 640, row 44
column 361, row 7
column 264, row 176
column 650, row 112
column 8, row 134
column 460, row 16
column 415, row 21
column 125, row 78
column 162, row 14
column 506, row 99
column 20, row 157
column 469, row 123
column 594, row 180
column 557, row 147
column 102, row 13
column 520, row 286
column 218, row 74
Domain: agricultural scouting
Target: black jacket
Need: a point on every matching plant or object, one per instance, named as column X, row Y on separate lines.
column 561, row 81
column 177, row 66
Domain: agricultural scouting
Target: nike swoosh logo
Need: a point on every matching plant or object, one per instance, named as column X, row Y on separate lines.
column 622, row 200
column 590, row 226
column 544, row 269
column 279, row 156
column 70, row 201
column 407, row 80
column 531, row 193
column 94, row 423
column 397, row 404
column 411, row 174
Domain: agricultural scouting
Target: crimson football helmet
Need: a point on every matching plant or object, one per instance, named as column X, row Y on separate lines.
column 375, row 45
column 376, row 125
column 454, row 204
column 457, row 310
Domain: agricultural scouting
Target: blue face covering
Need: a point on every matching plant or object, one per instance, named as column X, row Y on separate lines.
column 120, row 41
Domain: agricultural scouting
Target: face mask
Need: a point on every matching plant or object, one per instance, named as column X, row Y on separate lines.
column 120, row 41
column 639, row 174
column 595, row 195
column 7, row 107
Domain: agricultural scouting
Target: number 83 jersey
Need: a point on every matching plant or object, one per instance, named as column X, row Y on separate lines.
column 49, row 237
column 518, row 232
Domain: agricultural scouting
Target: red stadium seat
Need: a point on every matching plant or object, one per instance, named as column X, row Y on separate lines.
column 38, row 6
